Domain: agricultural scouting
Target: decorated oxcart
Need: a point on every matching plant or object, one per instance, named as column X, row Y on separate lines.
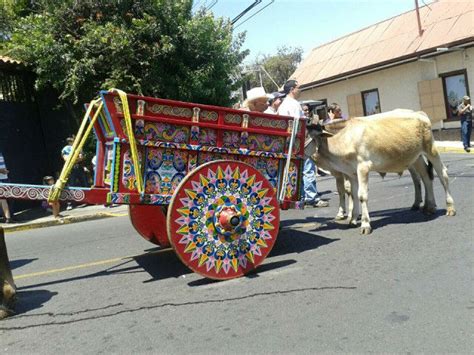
column 208, row 181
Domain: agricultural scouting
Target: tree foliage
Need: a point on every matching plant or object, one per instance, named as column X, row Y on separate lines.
column 279, row 66
column 150, row 47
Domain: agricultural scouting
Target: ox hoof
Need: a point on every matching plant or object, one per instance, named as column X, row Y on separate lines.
column 4, row 312
column 352, row 223
column 340, row 217
column 450, row 211
column 429, row 210
column 415, row 207
column 365, row 230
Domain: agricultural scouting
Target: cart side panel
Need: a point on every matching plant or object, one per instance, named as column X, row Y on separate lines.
column 164, row 170
column 174, row 138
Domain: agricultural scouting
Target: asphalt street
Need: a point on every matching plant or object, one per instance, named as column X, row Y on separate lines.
column 97, row 287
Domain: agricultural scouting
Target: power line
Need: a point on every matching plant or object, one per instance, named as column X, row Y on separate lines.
column 212, row 5
column 239, row 16
column 263, row 8
column 196, row 4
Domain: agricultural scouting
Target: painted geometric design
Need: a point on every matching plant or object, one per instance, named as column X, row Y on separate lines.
column 232, row 118
column 292, row 186
column 196, row 231
column 231, row 139
column 32, row 192
column 147, row 199
column 205, row 157
column 208, row 115
column 170, row 110
column 268, row 167
column 129, row 179
column 266, row 143
column 199, row 148
column 140, row 128
column 109, row 155
column 207, row 137
column 166, row 132
column 268, row 123
column 164, row 170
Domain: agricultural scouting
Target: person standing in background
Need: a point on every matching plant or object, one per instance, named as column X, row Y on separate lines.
column 465, row 113
column 274, row 103
column 4, row 179
column 291, row 107
column 77, row 176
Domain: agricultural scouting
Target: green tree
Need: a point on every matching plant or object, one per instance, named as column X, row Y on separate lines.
column 278, row 67
column 150, row 47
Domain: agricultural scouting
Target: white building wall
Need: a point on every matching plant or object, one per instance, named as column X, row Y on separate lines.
column 398, row 86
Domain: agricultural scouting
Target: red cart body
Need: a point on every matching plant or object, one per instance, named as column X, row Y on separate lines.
column 215, row 176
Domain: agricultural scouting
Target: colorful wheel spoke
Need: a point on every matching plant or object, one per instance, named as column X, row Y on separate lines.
column 223, row 219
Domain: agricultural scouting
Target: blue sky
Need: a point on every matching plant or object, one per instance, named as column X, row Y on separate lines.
column 304, row 23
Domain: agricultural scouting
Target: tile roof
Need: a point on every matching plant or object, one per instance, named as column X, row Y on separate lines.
column 445, row 23
column 8, row 60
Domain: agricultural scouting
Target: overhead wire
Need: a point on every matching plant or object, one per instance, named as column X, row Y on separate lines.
column 212, row 5
column 248, row 18
column 239, row 16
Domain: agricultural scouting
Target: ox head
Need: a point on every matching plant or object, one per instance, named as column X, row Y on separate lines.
column 7, row 286
column 317, row 135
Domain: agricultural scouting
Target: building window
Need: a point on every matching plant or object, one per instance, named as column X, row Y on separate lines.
column 371, row 101
column 455, row 87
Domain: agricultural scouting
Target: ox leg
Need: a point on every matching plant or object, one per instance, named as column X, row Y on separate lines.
column 427, row 176
column 417, row 184
column 7, row 286
column 353, row 211
column 363, row 194
column 442, row 171
column 342, row 196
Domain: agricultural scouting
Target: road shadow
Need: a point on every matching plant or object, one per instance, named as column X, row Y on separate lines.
column 296, row 241
column 15, row 264
column 32, row 300
column 380, row 219
column 251, row 275
column 161, row 266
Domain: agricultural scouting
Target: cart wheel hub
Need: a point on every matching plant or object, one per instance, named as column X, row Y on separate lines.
column 228, row 219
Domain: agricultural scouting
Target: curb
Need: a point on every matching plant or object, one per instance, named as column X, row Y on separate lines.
column 61, row 221
column 451, row 150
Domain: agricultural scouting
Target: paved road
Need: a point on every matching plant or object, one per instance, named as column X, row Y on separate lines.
column 405, row 288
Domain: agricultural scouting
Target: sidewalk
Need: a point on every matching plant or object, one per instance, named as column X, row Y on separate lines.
column 38, row 217
column 452, row 147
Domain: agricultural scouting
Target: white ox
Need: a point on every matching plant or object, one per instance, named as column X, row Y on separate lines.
column 390, row 142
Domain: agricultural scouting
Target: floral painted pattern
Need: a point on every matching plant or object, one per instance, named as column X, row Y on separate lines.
column 164, row 170
column 166, row 132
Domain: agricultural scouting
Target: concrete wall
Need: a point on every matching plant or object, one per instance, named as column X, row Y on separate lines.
column 398, row 86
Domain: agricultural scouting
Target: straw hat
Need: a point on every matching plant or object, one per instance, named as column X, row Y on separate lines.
column 257, row 93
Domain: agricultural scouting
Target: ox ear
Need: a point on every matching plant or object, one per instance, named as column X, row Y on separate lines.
column 326, row 134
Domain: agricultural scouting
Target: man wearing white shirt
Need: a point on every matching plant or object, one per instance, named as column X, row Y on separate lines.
column 274, row 103
column 291, row 107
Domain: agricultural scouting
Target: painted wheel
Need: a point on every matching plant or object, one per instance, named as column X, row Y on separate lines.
column 223, row 219
column 149, row 221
